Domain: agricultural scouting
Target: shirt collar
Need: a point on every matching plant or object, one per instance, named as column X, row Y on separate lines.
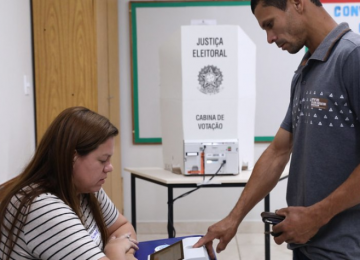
column 323, row 51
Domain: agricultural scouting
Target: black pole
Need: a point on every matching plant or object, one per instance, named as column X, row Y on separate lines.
column 170, row 226
column 133, row 200
column 267, row 229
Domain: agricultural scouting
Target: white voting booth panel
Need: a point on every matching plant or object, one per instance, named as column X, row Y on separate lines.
column 207, row 97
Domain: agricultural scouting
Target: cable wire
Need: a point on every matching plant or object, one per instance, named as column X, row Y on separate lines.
column 173, row 231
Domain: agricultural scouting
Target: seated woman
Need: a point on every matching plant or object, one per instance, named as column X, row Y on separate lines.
column 56, row 208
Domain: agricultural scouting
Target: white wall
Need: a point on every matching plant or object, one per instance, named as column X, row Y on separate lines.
column 17, row 130
column 17, row 134
column 208, row 205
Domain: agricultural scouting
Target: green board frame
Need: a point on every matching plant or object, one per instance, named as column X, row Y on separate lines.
column 133, row 7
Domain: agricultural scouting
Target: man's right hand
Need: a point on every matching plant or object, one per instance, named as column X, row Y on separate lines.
column 223, row 230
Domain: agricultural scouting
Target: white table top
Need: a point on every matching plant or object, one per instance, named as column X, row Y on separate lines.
column 163, row 176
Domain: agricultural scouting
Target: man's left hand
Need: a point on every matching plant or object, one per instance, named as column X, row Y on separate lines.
column 299, row 226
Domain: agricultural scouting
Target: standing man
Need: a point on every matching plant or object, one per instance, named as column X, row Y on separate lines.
column 321, row 130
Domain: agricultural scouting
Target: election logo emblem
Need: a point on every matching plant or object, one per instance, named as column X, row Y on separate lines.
column 210, row 79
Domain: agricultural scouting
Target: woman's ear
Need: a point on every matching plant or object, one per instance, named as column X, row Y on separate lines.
column 75, row 156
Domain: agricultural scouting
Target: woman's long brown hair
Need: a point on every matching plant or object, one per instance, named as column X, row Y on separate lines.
column 50, row 170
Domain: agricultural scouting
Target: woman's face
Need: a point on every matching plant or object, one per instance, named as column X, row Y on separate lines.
column 90, row 171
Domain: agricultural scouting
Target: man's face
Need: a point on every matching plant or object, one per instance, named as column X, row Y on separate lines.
column 282, row 27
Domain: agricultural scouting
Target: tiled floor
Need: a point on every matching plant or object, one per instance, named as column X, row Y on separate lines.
column 248, row 246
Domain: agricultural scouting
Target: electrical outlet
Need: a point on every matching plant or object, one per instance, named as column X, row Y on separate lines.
column 26, row 86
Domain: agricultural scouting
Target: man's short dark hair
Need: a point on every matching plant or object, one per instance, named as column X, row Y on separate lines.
column 281, row 4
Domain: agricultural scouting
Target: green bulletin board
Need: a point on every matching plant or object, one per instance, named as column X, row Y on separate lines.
column 151, row 23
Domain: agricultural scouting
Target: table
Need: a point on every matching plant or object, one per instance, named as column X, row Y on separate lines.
column 171, row 180
column 147, row 247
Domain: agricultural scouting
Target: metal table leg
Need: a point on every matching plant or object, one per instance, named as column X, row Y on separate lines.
column 133, row 200
column 170, row 225
column 267, row 229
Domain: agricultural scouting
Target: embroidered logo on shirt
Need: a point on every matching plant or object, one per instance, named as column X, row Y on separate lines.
column 320, row 103
column 323, row 110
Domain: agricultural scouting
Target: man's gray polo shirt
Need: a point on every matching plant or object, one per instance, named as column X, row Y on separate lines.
column 322, row 116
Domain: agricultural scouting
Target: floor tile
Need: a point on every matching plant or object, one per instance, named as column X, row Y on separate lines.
column 230, row 253
column 252, row 247
column 148, row 237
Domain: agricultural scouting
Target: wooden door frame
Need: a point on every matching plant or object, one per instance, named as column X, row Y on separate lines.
column 108, row 86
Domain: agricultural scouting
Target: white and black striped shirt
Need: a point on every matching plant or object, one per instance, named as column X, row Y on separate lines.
column 53, row 230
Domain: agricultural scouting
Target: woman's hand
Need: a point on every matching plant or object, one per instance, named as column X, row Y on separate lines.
column 117, row 247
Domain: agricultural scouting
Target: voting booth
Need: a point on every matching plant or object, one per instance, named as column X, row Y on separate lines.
column 207, row 98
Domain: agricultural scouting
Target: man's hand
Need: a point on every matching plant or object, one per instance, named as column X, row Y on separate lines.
column 223, row 230
column 299, row 226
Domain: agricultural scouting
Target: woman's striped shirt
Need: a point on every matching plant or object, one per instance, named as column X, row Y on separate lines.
column 53, row 230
